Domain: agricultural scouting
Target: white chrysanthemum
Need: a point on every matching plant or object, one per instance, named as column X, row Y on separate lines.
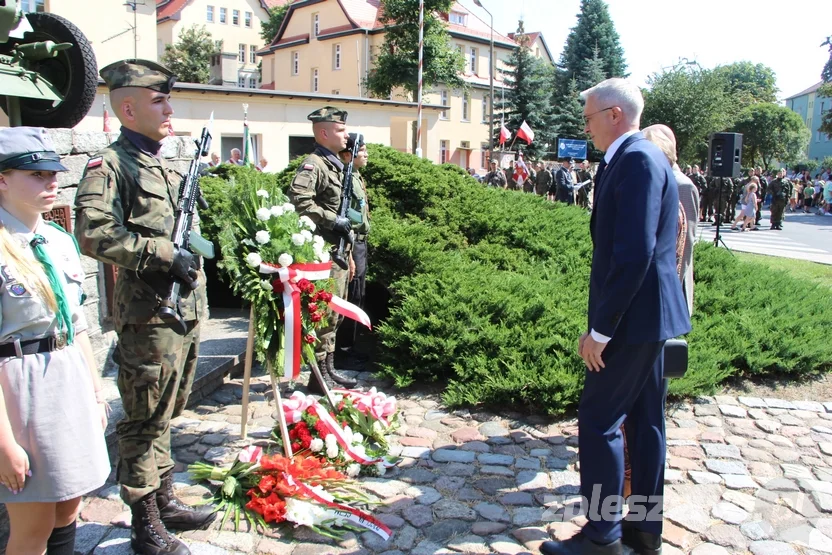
column 254, row 259
column 307, row 222
column 307, row 235
column 337, row 399
column 318, row 240
column 330, row 440
column 357, row 437
column 332, row 451
column 263, row 214
column 381, row 469
column 359, row 450
column 266, row 285
column 353, row 470
column 298, row 239
column 347, row 431
column 285, row 260
column 324, row 257
column 262, row 193
column 316, row 445
column 288, row 207
column 277, row 211
column 262, row 237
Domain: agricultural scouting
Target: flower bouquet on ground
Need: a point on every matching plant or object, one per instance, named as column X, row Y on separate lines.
column 270, row 489
column 350, row 436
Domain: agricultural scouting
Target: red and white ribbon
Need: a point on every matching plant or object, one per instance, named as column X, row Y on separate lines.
column 333, row 428
column 292, row 333
column 345, row 512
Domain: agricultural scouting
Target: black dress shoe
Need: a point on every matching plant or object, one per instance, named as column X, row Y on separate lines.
column 581, row 545
column 643, row 543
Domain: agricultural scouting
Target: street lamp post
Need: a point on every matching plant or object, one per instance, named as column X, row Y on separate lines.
column 490, row 83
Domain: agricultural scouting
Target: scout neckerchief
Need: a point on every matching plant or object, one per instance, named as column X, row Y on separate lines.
column 64, row 314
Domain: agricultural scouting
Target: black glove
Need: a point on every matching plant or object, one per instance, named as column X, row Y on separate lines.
column 342, row 226
column 184, row 267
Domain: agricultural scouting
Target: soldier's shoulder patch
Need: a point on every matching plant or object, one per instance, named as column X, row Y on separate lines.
column 95, row 162
column 308, row 167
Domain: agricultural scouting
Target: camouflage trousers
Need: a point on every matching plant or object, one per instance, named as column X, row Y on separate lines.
column 777, row 208
column 326, row 334
column 155, row 376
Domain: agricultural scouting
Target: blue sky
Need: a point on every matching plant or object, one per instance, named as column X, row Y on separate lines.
column 656, row 34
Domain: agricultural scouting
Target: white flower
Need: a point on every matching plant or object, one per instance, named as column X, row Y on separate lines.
column 336, row 398
column 353, row 470
column 262, row 237
column 307, row 222
column 381, row 469
column 318, row 240
column 316, row 445
column 331, row 440
column 254, row 259
column 298, row 239
column 304, row 513
column 285, row 260
column 262, row 193
column 348, row 434
column 359, row 450
column 263, row 214
column 266, row 285
column 357, row 437
column 288, row 207
column 332, row 451
column 277, row 211
column 324, row 257
column 307, row 235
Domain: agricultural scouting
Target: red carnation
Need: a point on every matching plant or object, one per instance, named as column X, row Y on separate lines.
column 311, row 411
column 312, row 307
column 321, row 428
column 326, row 296
column 305, row 285
column 315, row 317
column 310, row 339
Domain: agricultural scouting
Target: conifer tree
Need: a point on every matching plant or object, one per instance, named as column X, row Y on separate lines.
column 594, row 31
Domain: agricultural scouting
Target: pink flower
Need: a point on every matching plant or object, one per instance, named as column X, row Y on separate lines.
column 295, row 406
column 251, row 454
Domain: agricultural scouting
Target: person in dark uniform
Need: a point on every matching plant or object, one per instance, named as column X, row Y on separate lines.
column 781, row 191
column 701, row 184
column 565, row 183
column 495, row 177
column 583, row 176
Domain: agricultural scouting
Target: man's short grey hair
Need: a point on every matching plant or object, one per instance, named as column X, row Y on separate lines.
column 618, row 92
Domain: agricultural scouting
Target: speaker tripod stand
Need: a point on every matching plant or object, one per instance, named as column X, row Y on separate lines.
column 718, row 237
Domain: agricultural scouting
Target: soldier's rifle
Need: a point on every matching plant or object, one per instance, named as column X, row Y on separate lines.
column 183, row 236
column 339, row 254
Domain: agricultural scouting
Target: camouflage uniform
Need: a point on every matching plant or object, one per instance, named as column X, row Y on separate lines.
column 356, row 287
column 706, row 210
column 316, row 192
column 543, row 182
column 762, row 190
column 496, row 179
column 125, row 217
column 781, row 191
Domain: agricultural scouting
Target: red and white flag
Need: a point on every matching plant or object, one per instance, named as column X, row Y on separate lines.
column 521, row 172
column 525, row 132
column 505, row 134
column 107, row 128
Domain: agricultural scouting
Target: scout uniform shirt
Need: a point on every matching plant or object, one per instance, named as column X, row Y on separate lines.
column 316, row 191
column 24, row 315
column 125, row 214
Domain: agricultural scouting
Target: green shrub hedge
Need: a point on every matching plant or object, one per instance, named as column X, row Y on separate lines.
column 489, row 295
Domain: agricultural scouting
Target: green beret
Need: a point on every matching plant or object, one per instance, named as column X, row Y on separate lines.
column 138, row 73
column 328, row 113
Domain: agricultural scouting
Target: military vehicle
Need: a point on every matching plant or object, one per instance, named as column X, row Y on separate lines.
column 48, row 72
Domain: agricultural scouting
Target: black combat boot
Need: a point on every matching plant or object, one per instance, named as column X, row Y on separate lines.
column 178, row 515
column 335, row 375
column 149, row 536
column 313, row 386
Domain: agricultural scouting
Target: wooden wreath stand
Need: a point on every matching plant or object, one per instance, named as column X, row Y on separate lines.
column 281, row 417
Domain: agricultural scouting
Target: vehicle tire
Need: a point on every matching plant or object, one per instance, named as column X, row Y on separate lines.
column 73, row 72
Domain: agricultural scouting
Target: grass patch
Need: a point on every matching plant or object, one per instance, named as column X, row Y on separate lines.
column 798, row 269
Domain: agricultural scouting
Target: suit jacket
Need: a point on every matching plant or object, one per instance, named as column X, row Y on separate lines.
column 634, row 293
column 563, row 178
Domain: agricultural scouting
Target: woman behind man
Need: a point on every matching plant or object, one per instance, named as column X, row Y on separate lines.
column 52, row 414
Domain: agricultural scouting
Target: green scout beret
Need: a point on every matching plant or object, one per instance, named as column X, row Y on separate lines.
column 28, row 148
column 328, row 113
column 138, row 73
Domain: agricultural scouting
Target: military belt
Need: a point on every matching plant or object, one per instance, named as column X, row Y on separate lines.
column 33, row 346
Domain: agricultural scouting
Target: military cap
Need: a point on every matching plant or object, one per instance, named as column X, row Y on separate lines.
column 328, row 114
column 28, row 148
column 138, row 73
column 351, row 137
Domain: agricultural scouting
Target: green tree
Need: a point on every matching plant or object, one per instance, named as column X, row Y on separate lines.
column 594, row 32
column 826, row 88
column 692, row 102
column 397, row 64
column 749, row 83
column 772, row 133
column 269, row 29
column 527, row 96
column 190, row 57
column 568, row 119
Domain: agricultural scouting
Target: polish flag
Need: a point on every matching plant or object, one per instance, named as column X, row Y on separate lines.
column 525, row 132
column 505, row 134
column 107, row 127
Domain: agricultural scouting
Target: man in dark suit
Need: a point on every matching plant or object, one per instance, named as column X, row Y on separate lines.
column 564, row 181
column 635, row 305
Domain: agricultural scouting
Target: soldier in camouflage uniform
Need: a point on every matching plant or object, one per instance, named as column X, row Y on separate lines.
column 495, row 178
column 316, row 193
column 781, row 190
column 706, row 210
column 125, row 207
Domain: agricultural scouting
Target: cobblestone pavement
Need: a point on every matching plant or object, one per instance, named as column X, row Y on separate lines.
column 745, row 475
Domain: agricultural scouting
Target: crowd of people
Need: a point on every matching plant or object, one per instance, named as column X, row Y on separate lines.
column 566, row 181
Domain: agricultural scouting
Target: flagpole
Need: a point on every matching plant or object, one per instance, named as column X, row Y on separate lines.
column 419, row 84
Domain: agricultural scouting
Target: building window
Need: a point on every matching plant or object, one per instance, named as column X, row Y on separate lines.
column 315, row 80
column 223, row 15
column 235, row 17
column 252, row 54
column 457, row 18
column 316, row 24
column 336, row 56
column 472, row 65
column 32, row 6
column 295, row 62
column 241, row 57
column 444, row 101
column 252, row 82
column 485, row 101
column 483, row 155
column 466, row 105
column 336, row 91
column 443, row 152
column 248, row 19
column 209, row 15
column 241, row 81
column 218, row 46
